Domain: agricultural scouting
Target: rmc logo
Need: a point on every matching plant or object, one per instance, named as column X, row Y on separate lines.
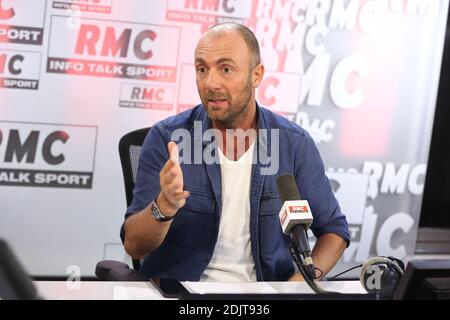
column 22, row 21
column 26, row 149
column 298, row 209
column 19, row 69
column 99, row 6
column 44, row 155
column 114, row 49
column 6, row 14
column 208, row 12
column 146, row 97
column 279, row 91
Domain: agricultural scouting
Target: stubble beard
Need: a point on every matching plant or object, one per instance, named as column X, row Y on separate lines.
column 236, row 110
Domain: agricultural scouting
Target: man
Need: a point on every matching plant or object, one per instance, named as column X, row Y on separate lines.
column 219, row 221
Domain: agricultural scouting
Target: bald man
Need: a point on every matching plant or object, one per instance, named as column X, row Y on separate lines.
column 218, row 220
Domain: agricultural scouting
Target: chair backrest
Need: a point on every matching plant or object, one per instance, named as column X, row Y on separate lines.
column 129, row 150
column 15, row 283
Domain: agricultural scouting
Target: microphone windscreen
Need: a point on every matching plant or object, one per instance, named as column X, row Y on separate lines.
column 287, row 188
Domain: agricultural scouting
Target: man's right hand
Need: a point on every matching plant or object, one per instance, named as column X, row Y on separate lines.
column 143, row 234
column 172, row 196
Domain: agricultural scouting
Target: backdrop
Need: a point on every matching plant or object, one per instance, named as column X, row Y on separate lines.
column 75, row 75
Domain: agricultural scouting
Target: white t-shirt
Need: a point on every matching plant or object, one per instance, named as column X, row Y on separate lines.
column 232, row 258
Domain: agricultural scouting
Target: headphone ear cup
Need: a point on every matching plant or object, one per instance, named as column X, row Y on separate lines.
column 391, row 277
column 381, row 276
column 390, row 280
column 398, row 265
column 371, row 274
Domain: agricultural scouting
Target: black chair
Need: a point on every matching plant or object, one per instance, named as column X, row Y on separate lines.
column 15, row 283
column 129, row 151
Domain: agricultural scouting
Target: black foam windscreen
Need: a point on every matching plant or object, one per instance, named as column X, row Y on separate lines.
column 287, row 188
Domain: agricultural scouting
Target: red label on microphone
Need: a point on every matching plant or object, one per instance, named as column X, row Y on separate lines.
column 298, row 209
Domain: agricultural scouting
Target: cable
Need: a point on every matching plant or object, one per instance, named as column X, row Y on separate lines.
column 321, row 273
column 298, row 261
column 348, row 270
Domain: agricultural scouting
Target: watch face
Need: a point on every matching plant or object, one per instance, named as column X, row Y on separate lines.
column 155, row 213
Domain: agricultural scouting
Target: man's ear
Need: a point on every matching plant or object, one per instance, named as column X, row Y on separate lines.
column 257, row 75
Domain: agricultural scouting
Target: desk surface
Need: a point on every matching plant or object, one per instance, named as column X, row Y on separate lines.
column 102, row 290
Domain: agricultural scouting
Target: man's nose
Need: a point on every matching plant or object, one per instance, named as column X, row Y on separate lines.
column 212, row 81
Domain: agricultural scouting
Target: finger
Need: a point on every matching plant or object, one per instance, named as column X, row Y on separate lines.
column 168, row 177
column 178, row 200
column 167, row 166
column 171, row 175
column 173, row 152
column 173, row 188
column 173, row 195
column 180, row 203
column 181, row 195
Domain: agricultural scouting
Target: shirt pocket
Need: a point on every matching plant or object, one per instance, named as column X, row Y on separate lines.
column 270, row 204
column 269, row 223
column 199, row 202
column 194, row 223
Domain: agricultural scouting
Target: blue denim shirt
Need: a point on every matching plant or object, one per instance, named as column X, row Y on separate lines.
column 189, row 244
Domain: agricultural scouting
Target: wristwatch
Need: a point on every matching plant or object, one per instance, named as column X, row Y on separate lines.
column 157, row 214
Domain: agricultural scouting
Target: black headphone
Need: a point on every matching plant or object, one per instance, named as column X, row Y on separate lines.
column 381, row 276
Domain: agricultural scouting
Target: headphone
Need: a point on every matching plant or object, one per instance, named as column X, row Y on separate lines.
column 381, row 276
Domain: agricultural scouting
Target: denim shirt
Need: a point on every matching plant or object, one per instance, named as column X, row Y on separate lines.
column 189, row 244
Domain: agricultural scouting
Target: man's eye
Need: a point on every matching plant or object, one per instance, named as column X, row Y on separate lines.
column 227, row 69
column 201, row 69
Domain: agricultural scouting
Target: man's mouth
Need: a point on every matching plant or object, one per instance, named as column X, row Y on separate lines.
column 216, row 102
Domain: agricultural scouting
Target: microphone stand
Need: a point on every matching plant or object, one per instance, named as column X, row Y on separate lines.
column 298, row 260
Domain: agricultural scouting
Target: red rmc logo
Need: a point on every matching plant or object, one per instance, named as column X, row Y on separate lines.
column 6, row 13
column 112, row 45
column 298, row 209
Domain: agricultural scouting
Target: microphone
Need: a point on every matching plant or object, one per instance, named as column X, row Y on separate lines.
column 295, row 218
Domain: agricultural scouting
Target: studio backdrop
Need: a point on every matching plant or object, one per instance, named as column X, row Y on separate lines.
column 76, row 75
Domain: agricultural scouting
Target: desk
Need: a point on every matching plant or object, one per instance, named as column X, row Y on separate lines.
column 103, row 290
column 97, row 290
